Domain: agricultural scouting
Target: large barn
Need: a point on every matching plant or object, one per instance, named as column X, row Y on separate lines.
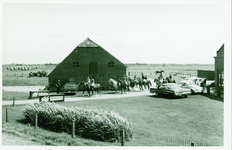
column 87, row 59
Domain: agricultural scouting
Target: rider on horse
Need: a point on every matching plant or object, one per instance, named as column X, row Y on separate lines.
column 90, row 81
column 170, row 79
column 125, row 78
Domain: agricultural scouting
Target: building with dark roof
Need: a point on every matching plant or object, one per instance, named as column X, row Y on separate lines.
column 219, row 67
column 87, row 59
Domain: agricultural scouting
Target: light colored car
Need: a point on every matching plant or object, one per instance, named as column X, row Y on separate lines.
column 70, row 87
column 210, row 83
column 170, row 89
column 188, row 84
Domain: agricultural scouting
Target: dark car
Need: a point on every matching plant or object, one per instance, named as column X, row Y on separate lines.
column 171, row 89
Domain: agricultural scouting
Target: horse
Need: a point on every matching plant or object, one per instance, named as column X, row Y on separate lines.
column 125, row 85
column 170, row 80
column 140, row 83
column 133, row 83
column 147, row 83
column 86, row 87
column 97, row 88
column 89, row 87
column 114, row 84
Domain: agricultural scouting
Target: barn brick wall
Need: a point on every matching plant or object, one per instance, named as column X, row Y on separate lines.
column 83, row 56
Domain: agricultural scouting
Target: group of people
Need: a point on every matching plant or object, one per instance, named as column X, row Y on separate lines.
column 160, row 80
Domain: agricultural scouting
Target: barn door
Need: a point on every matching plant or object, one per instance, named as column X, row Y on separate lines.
column 93, row 69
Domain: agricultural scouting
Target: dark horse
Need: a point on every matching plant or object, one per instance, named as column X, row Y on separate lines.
column 89, row 87
column 144, row 84
column 140, row 83
column 125, row 85
column 147, row 83
column 133, row 82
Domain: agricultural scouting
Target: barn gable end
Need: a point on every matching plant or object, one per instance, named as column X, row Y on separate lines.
column 87, row 59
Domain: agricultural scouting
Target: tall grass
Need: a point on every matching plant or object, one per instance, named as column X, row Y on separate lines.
column 92, row 123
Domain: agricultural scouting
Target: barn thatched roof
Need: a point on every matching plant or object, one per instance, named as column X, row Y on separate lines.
column 88, row 43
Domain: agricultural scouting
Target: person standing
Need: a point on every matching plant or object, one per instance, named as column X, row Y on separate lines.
column 142, row 76
column 58, row 87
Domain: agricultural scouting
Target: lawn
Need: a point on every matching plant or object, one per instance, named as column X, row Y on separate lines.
column 157, row 121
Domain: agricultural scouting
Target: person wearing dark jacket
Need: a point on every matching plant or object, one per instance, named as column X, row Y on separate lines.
column 58, row 87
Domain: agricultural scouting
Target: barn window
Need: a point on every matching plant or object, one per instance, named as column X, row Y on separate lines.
column 75, row 64
column 101, row 75
column 111, row 64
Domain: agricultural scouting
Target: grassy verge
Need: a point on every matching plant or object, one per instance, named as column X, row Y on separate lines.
column 24, row 81
column 45, row 137
column 8, row 95
column 158, row 121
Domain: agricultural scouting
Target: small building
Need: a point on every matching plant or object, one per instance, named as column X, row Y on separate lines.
column 219, row 67
column 87, row 59
column 208, row 74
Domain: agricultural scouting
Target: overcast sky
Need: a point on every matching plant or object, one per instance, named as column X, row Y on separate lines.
column 145, row 33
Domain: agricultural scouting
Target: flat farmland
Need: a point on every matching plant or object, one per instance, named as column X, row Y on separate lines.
column 149, row 70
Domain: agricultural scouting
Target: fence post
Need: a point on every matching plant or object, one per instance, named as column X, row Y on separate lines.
column 73, row 129
column 7, row 115
column 218, row 91
column 13, row 101
column 36, row 120
column 122, row 137
column 192, row 144
column 30, row 94
column 208, row 90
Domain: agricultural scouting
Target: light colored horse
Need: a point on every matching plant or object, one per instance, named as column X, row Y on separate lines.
column 123, row 85
column 114, row 84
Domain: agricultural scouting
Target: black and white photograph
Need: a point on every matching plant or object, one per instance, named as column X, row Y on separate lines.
column 135, row 74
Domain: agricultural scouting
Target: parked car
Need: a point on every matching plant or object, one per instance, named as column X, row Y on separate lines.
column 190, row 85
column 210, row 83
column 171, row 89
column 70, row 88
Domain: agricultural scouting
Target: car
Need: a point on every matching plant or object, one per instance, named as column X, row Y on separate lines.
column 70, row 88
column 190, row 85
column 170, row 89
column 210, row 83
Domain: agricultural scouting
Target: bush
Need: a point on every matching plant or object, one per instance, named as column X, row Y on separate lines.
column 90, row 123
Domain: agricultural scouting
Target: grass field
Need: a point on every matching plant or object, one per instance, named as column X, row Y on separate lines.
column 157, row 121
